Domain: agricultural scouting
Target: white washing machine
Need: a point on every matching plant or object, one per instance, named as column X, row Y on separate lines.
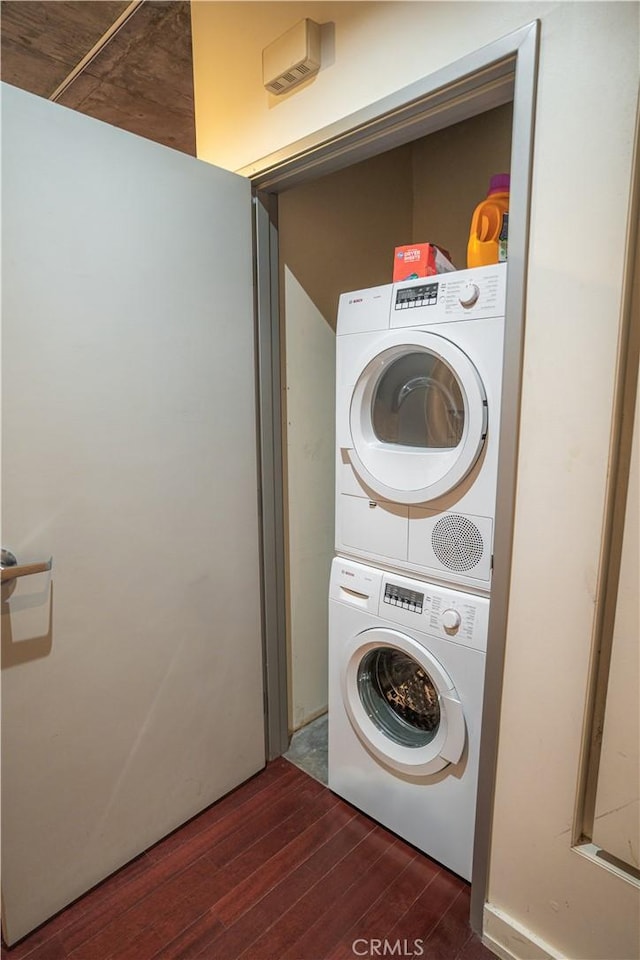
column 418, row 388
column 406, row 675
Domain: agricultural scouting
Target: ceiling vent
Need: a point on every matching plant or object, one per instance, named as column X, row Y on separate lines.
column 292, row 58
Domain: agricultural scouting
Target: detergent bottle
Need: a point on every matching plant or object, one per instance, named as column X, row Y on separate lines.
column 490, row 225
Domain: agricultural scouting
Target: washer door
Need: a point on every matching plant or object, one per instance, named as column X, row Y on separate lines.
column 402, row 703
column 418, row 418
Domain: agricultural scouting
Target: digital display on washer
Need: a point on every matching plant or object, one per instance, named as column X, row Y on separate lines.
column 401, row 597
column 426, row 295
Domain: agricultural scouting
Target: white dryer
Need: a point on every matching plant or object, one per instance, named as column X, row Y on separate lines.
column 418, row 384
column 406, row 675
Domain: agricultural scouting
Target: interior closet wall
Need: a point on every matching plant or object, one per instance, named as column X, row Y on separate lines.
column 336, row 234
column 451, row 171
column 339, row 234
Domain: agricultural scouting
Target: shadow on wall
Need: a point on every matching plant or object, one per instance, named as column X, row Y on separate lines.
column 25, row 612
column 338, row 233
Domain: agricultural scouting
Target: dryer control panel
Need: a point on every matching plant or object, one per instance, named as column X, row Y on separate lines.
column 422, row 295
column 461, row 295
column 443, row 298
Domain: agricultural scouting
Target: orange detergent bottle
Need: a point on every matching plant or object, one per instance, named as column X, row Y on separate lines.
column 490, row 225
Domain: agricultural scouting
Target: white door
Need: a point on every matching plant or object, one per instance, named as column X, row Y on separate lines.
column 132, row 696
column 417, row 418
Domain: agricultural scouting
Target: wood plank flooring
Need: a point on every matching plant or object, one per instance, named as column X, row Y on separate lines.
column 279, row 869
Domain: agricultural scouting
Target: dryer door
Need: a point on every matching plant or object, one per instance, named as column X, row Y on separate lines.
column 418, row 417
column 401, row 703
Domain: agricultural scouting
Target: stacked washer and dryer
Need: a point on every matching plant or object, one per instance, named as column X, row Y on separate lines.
column 419, row 382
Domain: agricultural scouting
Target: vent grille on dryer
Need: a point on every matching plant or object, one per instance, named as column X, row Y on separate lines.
column 457, row 542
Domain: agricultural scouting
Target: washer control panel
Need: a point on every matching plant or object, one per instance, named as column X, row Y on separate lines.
column 449, row 614
column 411, row 600
column 414, row 604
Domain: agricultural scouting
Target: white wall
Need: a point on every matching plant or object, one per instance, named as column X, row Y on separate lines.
column 586, row 109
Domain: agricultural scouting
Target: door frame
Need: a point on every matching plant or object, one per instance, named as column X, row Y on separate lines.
column 500, row 72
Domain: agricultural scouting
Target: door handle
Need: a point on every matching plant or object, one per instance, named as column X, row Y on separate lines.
column 10, row 569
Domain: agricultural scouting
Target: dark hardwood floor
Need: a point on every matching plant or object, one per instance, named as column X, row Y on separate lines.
column 280, row 869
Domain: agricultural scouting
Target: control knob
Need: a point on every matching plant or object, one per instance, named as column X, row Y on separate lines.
column 469, row 294
column 451, row 620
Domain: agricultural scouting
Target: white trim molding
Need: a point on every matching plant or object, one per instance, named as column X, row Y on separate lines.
column 510, row 940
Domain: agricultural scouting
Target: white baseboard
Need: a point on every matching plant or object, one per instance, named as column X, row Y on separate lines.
column 510, row 940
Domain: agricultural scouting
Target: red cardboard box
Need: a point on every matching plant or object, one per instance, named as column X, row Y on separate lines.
column 420, row 260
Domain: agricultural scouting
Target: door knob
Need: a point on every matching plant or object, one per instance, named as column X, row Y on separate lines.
column 10, row 569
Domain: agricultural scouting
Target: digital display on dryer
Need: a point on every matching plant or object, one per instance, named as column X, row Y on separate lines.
column 426, row 295
column 409, row 600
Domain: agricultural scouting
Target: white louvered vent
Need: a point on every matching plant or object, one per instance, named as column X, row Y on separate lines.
column 292, row 58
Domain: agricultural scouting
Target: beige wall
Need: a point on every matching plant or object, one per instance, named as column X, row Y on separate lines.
column 451, row 171
column 586, row 107
column 338, row 233
column 616, row 826
column 237, row 121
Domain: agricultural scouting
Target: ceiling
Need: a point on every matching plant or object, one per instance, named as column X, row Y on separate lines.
column 140, row 78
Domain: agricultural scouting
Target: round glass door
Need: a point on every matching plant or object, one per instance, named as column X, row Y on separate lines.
column 418, row 402
column 399, row 696
column 402, row 703
column 418, row 418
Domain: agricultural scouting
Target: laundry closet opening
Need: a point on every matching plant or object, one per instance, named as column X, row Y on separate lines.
column 338, row 233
